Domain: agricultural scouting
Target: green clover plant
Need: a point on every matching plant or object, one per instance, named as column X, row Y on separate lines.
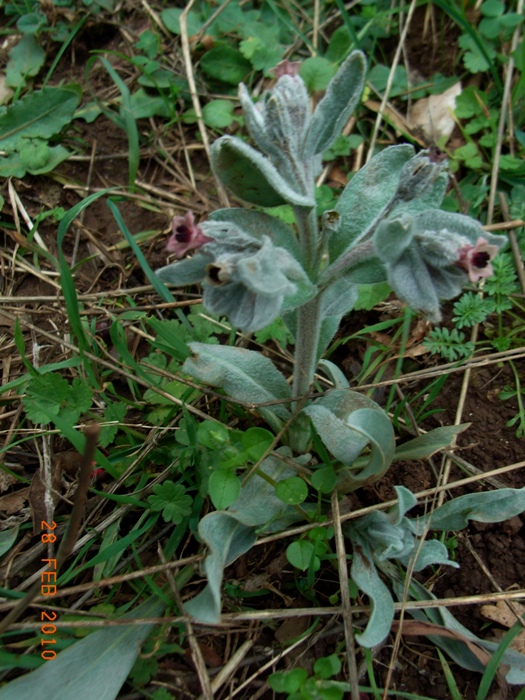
column 386, row 227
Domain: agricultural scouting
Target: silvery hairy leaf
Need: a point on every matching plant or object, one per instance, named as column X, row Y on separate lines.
column 347, row 422
column 422, row 253
column 457, row 649
column 365, row 576
column 232, row 532
column 373, row 193
column 391, row 535
column 487, row 507
column 184, row 272
column 243, row 374
column 258, row 224
column 334, row 110
column 366, row 195
column 252, row 177
column 244, row 277
column 376, row 538
column 94, row 667
column 427, row 444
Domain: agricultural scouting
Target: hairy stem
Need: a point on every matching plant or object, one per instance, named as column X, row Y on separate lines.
column 306, row 343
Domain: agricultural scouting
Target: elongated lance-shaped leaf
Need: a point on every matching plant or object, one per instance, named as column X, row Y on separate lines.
column 154, row 280
column 243, row 374
column 251, row 176
column 428, row 444
column 94, row 667
column 334, row 110
column 488, row 507
column 40, row 115
column 129, row 121
column 67, row 282
column 458, row 650
column 365, row 576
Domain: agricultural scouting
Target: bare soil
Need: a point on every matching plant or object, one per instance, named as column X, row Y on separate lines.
column 492, row 557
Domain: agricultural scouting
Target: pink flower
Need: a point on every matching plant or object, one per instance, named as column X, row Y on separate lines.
column 476, row 259
column 186, row 235
column 286, row 67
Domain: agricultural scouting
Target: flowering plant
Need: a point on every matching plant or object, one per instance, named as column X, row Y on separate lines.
column 386, row 226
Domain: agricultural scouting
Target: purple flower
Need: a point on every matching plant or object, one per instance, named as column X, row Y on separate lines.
column 475, row 259
column 186, row 235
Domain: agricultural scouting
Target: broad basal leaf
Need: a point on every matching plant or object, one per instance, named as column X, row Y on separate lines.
column 94, row 667
column 230, row 533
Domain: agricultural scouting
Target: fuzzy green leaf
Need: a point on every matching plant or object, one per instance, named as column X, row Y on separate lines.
column 94, row 667
column 333, row 111
column 243, row 374
column 428, row 444
column 251, row 176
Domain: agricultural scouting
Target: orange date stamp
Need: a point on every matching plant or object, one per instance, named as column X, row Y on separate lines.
column 48, row 588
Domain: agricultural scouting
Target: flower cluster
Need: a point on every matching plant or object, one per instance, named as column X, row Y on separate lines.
column 244, row 277
column 426, row 256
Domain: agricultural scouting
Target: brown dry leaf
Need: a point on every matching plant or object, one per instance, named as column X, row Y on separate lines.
column 291, row 629
column 502, row 614
column 432, row 116
column 211, row 657
column 6, row 480
column 69, row 462
column 6, row 93
column 12, row 503
column 418, row 628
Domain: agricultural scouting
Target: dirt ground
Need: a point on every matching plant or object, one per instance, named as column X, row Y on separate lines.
column 492, row 557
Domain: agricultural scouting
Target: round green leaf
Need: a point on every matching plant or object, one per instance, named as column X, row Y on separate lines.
column 171, row 20
column 291, row 491
column 256, row 441
column 300, row 554
column 218, row 114
column 224, row 488
column 327, row 666
column 225, row 64
column 317, row 73
column 324, row 479
column 289, row 681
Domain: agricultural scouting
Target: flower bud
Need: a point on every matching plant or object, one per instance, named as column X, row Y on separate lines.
column 418, row 177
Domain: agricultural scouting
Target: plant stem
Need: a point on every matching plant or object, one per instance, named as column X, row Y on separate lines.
column 309, row 239
column 306, row 344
